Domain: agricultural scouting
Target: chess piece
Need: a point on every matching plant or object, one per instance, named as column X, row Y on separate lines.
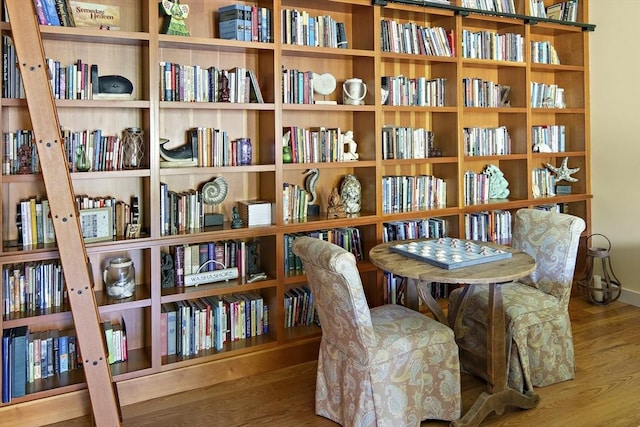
column 349, row 147
column 175, row 13
column 334, row 206
column 350, row 194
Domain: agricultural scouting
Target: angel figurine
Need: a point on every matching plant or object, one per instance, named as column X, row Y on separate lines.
column 176, row 14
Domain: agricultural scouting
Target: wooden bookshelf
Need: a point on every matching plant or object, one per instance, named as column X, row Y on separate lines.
column 136, row 51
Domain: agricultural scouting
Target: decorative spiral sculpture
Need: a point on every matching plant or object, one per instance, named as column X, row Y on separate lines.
column 215, row 191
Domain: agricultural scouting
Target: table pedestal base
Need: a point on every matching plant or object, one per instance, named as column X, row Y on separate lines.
column 487, row 403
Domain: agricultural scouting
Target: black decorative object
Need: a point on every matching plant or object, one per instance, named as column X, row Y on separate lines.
column 166, row 271
column 236, row 221
column 183, row 153
column 115, row 85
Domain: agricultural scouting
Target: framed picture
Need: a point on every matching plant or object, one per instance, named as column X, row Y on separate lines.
column 96, row 224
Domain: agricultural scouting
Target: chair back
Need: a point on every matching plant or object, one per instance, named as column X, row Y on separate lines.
column 338, row 295
column 552, row 239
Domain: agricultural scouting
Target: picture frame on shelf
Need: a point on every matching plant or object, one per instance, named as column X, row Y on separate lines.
column 96, row 224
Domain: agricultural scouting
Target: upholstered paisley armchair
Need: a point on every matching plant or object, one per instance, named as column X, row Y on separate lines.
column 385, row 366
column 538, row 328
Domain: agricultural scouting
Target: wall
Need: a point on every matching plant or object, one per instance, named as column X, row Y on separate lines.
column 615, row 138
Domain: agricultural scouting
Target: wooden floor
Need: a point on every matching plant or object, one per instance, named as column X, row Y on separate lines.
column 605, row 393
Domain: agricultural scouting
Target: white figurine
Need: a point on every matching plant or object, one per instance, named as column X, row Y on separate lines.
column 349, row 147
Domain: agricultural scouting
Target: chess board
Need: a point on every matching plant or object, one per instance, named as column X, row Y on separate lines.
column 450, row 253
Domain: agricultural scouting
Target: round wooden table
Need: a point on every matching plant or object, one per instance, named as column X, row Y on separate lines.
column 422, row 274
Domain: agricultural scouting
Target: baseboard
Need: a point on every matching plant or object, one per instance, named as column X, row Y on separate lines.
column 76, row 404
column 631, row 297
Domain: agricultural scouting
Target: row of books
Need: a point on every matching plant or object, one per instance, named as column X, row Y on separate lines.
column 486, row 141
column 85, row 151
column 551, row 137
column 93, row 151
column 34, row 223
column 193, row 83
column 543, row 52
column 345, row 237
column 213, row 147
column 418, row 91
column 314, row 145
column 545, row 95
column 500, row 6
column 245, row 23
column 563, row 11
column 476, row 187
column 412, row 38
column 491, row 45
column 494, row 226
column 297, row 86
column 192, row 326
column 122, row 213
column 33, row 356
column 12, row 86
column 295, row 202
column 195, row 258
column 484, row 93
column 300, row 28
column 19, row 154
column 401, row 142
column 544, row 183
column 406, row 193
column 299, row 309
column 33, row 287
column 78, row 80
column 413, row 229
column 70, row 13
column 395, row 290
column 115, row 334
column 554, row 207
column 180, row 212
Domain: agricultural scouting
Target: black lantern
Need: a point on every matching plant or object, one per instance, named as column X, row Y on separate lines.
column 599, row 283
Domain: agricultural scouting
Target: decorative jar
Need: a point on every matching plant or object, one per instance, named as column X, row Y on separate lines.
column 120, row 277
column 132, row 148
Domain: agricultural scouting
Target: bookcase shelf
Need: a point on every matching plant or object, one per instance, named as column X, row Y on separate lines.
column 136, row 52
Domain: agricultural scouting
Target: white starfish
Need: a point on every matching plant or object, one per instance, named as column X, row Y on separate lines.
column 563, row 173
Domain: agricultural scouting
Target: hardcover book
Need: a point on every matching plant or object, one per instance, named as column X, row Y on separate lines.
column 96, row 15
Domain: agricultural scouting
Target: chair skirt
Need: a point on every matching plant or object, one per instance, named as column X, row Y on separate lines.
column 401, row 384
column 538, row 333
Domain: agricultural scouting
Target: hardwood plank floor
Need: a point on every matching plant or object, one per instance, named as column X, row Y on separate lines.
column 606, row 391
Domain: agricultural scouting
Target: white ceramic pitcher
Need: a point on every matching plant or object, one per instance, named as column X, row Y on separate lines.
column 353, row 92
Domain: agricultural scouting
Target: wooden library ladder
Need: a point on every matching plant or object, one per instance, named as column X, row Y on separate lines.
column 50, row 145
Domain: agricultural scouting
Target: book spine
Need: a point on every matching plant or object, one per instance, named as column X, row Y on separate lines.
column 63, row 13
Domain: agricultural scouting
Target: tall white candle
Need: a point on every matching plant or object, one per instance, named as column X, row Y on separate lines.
column 597, row 288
